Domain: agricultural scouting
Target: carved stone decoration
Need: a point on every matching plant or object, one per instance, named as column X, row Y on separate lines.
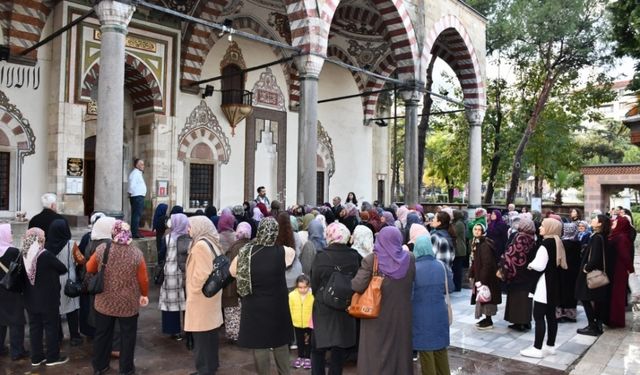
column 12, row 118
column 184, row 6
column 325, row 150
column 233, row 56
column 368, row 53
column 202, row 125
column 267, row 93
column 280, row 22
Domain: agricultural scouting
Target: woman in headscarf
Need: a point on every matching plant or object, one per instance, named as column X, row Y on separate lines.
column 203, row 316
column 334, row 330
column 349, row 216
column 314, row 245
column 584, row 233
column 550, row 257
column 566, row 309
column 265, row 322
column 362, row 240
column 263, row 209
column 230, row 297
column 364, row 220
column 519, row 280
column 159, row 226
column 126, row 287
column 430, row 316
column 304, row 229
column 412, row 218
column 391, row 355
column 374, row 220
column 415, row 231
column 212, row 213
column 257, row 215
column 387, row 218
column 226, row 225
column 286, row 237
column 11, row 304
column 443, row 237
column 621, row 247
column 42, row 297
column 483, row 272
column 480, row 217
column 402, row 213
column 176, row 210
column 172, row 298
column 60, row 243
column 497, row 231
column 595, row 301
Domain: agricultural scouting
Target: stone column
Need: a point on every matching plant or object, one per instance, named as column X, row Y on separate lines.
column 411, row 174
column 114, row 18
column 475, row 118
column 309, row 70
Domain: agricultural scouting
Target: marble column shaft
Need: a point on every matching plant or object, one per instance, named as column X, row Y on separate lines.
column 114, row 18
column 307, row 140
column 475, row 158
column 411, row 174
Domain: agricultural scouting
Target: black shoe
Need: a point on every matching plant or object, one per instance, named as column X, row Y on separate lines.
column 103, row 371
column 481, row 322
column 588, row 331
column 24, row 355
column 484, row 325
column 61, row 360
column 38, row 362
column 76, row 341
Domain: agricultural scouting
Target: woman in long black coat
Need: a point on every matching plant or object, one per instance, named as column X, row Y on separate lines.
column 483, row 271
column 566, row 309
column 593, row 258
column 334, row 330
column 11, row 306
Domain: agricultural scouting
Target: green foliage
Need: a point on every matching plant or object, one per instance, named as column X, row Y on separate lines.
column 624, row 16
column 447, row 156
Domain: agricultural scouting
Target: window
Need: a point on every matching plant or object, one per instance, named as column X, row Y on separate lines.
column 5, row 175
column 201, row 185
column 319, row 187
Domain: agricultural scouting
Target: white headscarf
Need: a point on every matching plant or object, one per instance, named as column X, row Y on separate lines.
column 362, row 240
column 102, row 228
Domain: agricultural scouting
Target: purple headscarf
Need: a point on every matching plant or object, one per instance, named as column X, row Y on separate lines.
column 497, row 221
column 226, row 222
column 388, row 218
column 179, row 225
column 393, row 262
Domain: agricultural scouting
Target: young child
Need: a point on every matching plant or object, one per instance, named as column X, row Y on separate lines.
column 301, row 304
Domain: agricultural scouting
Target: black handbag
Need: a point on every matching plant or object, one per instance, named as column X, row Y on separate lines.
column 220, row 277
column 95, row 284
column 72, row 288
column 11, row 280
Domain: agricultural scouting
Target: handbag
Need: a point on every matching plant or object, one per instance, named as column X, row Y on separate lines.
column 11, row 279
column 95, row 284
column 220, row 277
column 483, row 293
column 448, row 299
column 72, row 288
column 367, row 305
column 597, row 278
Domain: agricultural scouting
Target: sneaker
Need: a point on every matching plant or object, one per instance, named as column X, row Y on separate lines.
column 61, row 360
column 548, row 350
column 481, row 322
column 38, row 363
column 484, row 325
column 293, row 346
column 531, row 352
column 306, row 364
column 297, row 363
column 415, row 358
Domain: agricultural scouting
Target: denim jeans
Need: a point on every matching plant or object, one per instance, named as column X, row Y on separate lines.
column 137, row 206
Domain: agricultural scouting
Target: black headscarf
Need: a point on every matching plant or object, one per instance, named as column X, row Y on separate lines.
column 57, row 236
column 176, row 210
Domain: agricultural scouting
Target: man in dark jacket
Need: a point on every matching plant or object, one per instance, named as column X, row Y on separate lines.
column 48, row 214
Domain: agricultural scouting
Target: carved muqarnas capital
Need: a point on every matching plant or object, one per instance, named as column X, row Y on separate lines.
column 114, row 15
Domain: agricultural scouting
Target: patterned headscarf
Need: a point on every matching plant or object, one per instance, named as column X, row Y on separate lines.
column 267, row 233
column 243, row 231
column 350, row 209
column 121, row 233
column 5, row 238
column 238, row 210
column 362, row 240
column 393, row 261
column 570, row 232
column 337, row 233
column 32, row 247
column 553, row 229
column 516, row 254
column 423, row 246
column 179, row 226
column 102, row 228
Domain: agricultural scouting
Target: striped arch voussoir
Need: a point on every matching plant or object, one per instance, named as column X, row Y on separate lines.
column 22, row 22
column 385, row 67
column 202, row 135
column 450, row 41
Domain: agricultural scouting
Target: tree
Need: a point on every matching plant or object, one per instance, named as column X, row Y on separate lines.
column 548, row 42
column 624, row 16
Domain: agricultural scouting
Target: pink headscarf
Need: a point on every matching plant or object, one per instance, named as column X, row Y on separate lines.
column 225, row 223
column 5, row 238
column 337, row 233
column 121, row 233
column 243, row 231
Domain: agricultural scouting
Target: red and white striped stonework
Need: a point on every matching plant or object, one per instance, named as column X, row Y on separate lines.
column 342, row 55
column 385, row 67
column 141, row 83
column 450, row 41
column 22, row 22
column 14, row 130
column 198, row 136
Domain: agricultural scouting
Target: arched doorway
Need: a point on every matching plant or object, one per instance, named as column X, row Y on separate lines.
column 88, row 188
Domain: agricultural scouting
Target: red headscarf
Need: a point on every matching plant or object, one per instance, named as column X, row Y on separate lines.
column 263, row 209
column 374, row 220
column 623, row 227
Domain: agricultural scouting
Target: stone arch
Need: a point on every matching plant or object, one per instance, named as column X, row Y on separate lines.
column 450, row 41
column 138, row 79
column 385, row 66
column 22, row 24
column 342, row 55
column 202, row 127
column 16, row 128
column 403, row 40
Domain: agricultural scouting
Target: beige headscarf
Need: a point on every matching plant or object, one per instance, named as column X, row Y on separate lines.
column 102, row 228
column 553, row 229
column 203, row 229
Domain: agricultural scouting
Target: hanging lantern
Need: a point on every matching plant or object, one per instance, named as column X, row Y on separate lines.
column 236, row 106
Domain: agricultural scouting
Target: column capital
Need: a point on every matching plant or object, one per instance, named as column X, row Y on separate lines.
column 475, row 116
column 114, row 15
column 309, row 66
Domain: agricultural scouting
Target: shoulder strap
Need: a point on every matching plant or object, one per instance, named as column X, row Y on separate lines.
column 215, row 255
column 446, row 282
column 105, row 254
column 375, row 265
column 4, row 268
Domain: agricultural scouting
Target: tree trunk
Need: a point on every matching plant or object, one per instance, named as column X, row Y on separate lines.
column 495, row 159
column 447, row 181
column 558, row 201
column 423, row 127
column 531, row 127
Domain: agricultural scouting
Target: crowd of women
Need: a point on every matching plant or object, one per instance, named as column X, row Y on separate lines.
column 284, row 262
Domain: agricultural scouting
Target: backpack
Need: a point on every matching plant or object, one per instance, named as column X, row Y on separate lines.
column 337, row 292
column 183, row 243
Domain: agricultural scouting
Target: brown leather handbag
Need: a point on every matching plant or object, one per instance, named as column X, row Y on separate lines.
column 367, row 305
